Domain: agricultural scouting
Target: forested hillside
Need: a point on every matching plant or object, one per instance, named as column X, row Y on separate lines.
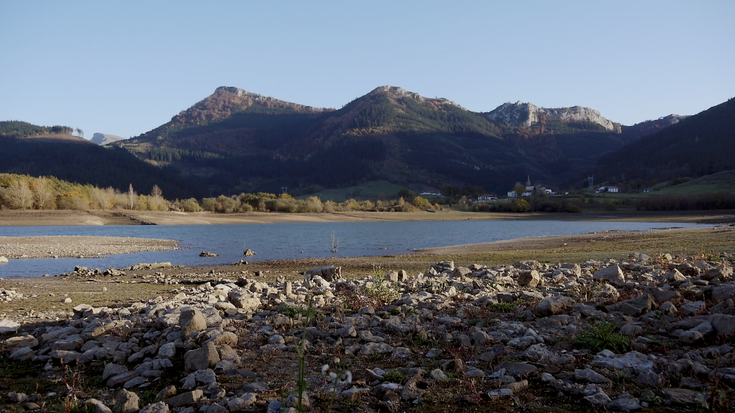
column 42, row 151
column 236, row 141
column 699, row 145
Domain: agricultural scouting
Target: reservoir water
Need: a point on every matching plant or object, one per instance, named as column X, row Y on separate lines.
column 296, row 240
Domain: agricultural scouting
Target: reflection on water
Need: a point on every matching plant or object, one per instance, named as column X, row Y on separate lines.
column 296, row 240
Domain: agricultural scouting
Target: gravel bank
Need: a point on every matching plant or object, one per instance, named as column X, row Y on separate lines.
column 78, row 246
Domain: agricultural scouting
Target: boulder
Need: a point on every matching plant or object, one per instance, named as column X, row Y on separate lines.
column 529, row 278
column 127, row 402
column 8, row 326
column 633, row 307
column 201, row 358
column 329, row 273
column 185, row 399
column 158, row 407
column 554, row 305
column 243, row 299
column 613, row 274
column 191, row 320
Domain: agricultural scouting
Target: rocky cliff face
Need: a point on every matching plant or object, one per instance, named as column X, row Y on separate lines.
column 527, row 114
column 399, row 92
column 105, row 138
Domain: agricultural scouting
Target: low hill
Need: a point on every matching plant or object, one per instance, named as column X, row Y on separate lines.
column 719, row 182
column 28, row 149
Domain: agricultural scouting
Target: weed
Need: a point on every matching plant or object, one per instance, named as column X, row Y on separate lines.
column 301, row 350
column 502, row 308
column 291, row 311
column 351, row 405
column 73, row 382
column 381, row 292
column 394, row 376
column 601, row 336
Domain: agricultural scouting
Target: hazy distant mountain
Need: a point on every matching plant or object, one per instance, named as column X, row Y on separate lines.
column 237, row 141
column 104, row 138
column 695, row 146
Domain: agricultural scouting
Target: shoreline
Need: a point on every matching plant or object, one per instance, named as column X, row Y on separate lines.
column 17, row 218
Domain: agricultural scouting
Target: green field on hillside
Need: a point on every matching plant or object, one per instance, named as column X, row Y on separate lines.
column 370, row 190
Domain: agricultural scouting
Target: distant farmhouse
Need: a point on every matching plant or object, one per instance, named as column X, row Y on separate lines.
column 487, row 198
column 611, row 189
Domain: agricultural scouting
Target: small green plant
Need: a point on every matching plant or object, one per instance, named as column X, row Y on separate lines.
column 395, row 311
column 600, row 336
column 502, row 308
column 291, row 311
column 381, row 291
column 394, row 376
column 301, row 351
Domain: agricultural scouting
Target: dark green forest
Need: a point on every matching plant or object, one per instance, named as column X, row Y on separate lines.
column 83, row 162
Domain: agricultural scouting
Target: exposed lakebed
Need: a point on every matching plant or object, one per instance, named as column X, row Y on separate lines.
column 297, row 240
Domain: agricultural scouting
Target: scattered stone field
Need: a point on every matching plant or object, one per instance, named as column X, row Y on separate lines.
column 638, row 334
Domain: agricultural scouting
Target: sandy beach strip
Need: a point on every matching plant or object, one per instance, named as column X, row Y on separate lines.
column 79, row 246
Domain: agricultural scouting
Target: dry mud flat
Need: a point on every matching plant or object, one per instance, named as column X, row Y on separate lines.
column 643, row 333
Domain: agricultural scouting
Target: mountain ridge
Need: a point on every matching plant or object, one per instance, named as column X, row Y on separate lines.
column 235, row 140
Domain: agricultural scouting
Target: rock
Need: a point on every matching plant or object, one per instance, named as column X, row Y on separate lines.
column 97, row 406
column 599, row 398
column 126, row 402
column 113, row 370
column 167, row 351
column 242, row 402
column 693, row 308
column 185, row 399
column 624, row 404
column 25, row 340
column 516, row 369
column 8, row 326
column 556, row 305
column 208, row 254
column 631, row 330
column 606, row 293
column 249, row 253
column 590, row 376
column 721, row 272
column 723, row 324
column 375, row 348
column 3, row 259
column 633, row 307
column 201, row 358
column 683, row 396
column 613, row 274
column 122, row 378
column 329, row 273
column 275, row 406
column 633, row 361
column 529, row 278
column 191, row 320
column 243, row 299
column 158, row 407
column 22, row 354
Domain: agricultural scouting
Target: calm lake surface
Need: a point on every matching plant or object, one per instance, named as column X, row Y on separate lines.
column 296, row 240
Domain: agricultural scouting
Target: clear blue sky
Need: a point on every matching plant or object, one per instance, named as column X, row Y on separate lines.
column 126, row 67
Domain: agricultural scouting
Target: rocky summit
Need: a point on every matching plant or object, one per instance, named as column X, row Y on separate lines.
column 638, row 334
